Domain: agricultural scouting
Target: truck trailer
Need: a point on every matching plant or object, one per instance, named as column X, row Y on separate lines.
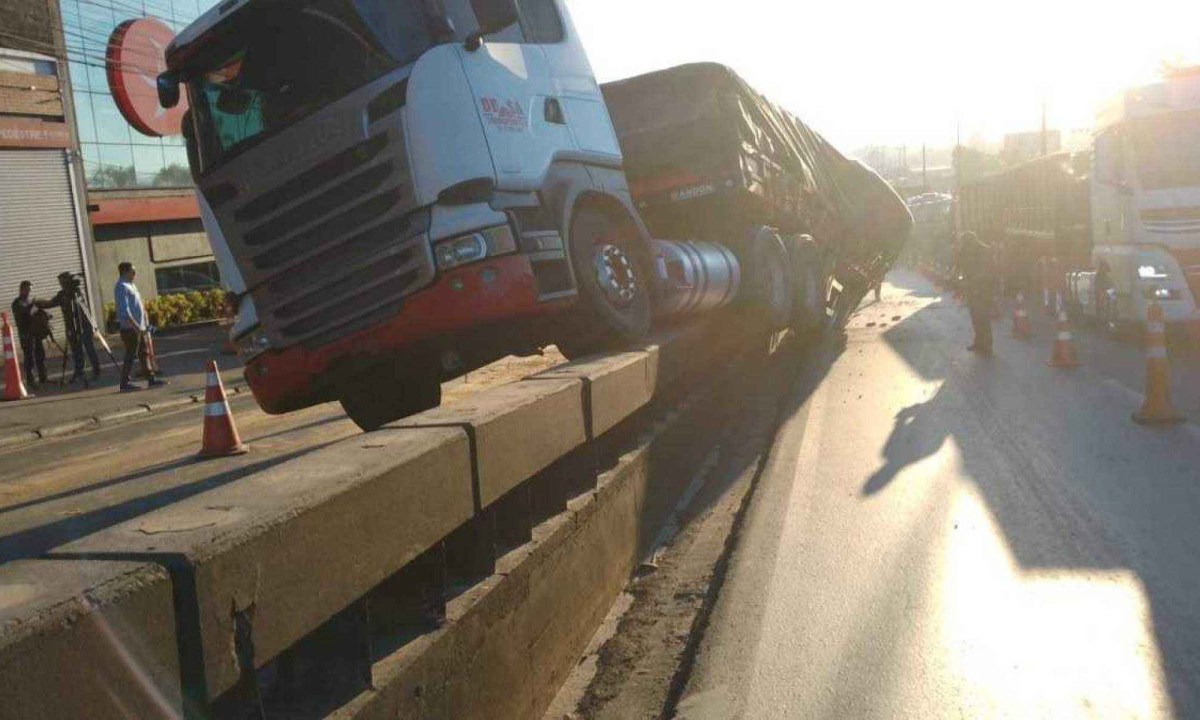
column 445, row 183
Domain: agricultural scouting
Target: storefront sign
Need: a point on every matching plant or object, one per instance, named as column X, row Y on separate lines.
column 33, row 133
column 135, row 58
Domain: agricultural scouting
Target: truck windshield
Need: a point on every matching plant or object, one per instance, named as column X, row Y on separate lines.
column 1167, row 148
column 276, row 67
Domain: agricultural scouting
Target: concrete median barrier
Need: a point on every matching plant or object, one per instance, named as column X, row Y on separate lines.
column 508, row 643
column 262, row 561
column 87, row 640
column 269, row 569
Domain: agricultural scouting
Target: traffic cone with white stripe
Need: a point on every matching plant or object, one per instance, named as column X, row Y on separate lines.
column 220, row 434
column 1064, row 355
column 1157, row 407
column 14, row 387
column 1020, row 322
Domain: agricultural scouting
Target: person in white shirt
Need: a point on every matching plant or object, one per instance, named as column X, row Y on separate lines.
column 131, row 315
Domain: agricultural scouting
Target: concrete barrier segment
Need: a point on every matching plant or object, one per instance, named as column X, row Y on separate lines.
column 517, row 430
column 65, row 428
column 87, row 639
column 614, row 386
column 273, row 555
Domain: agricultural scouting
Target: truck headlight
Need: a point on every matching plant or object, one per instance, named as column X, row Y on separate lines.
column 474, row 247
column 252, row 343
column 460, row 251
column 1159, row 293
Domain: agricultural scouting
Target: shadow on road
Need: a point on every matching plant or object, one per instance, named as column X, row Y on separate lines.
column 913, row 439
column 1070, row 481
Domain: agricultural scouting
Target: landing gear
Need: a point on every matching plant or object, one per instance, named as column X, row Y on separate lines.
column 375, row 394
column 613, row 274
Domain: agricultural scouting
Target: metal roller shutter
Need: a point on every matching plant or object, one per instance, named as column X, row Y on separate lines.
column 38, row 235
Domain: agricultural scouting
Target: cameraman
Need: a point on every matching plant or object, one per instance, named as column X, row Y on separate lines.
column 78, row 328
column 25, row 313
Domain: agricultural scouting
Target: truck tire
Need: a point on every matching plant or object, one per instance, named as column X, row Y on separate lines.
column 809, row 315
column 768, row 278
column 614, row 277
column 382, row 393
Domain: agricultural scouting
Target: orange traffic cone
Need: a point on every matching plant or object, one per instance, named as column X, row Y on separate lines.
column 1157, row 408
column 1064, row 355
column 1020, row 321
column 14, row 387
column 220, row 435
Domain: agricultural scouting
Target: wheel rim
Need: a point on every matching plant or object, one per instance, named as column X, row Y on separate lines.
column 615, row 274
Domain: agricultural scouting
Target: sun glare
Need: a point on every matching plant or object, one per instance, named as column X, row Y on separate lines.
column 865, row 72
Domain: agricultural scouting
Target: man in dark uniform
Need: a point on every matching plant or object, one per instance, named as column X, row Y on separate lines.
column 78, row 328
column 979, row 281
column 23, row 309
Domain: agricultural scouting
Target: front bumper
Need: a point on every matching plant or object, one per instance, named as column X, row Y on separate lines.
column 463, row 300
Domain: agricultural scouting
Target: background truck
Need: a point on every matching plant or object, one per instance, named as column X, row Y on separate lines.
column 442, row 185
column 1116, row 227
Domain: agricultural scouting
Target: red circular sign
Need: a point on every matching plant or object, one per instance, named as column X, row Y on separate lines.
column 136, row 55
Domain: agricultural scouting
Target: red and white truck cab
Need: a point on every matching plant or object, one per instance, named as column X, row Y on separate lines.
column 377, row 176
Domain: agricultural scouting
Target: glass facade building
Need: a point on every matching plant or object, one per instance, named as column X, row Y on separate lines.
column 115, row 155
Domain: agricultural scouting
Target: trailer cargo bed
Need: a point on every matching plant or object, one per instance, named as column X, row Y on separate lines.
column 707, row 157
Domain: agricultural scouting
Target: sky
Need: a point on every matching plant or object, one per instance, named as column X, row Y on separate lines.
column 864, row 72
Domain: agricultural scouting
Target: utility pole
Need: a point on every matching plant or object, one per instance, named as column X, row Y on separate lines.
column 1045, row 141
column 957, row 157
column 924, row 174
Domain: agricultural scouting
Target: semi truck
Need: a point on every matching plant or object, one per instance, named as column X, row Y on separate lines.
column 1115, row 227
column 398, row 191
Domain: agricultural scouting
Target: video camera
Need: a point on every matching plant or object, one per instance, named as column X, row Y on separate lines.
column 71, row 282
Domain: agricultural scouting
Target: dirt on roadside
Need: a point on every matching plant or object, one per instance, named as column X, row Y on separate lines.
column 502, row 371
column 635, row 670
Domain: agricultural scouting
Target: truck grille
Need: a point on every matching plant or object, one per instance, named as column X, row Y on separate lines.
column 1189, row 263
column 333, row 248
column 1175, row 220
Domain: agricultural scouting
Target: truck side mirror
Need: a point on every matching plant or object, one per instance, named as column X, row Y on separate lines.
column 168, row 90
column 493, row 16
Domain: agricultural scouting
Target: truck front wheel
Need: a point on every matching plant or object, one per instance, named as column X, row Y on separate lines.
column 613, row 274
column 378, row 394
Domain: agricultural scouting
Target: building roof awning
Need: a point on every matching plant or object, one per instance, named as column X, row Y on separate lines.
column 116, row 211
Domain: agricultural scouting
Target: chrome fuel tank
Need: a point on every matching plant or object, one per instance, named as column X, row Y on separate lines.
column 695, row 277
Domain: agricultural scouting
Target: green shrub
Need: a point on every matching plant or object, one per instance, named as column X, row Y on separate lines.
column 180, row 309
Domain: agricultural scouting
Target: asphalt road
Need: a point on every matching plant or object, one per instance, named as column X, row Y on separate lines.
column 941, row 535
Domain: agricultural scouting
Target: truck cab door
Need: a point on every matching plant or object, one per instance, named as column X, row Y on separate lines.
column 574, row 83
column 511, row 84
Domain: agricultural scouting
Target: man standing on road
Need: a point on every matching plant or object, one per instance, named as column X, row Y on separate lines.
column 34, row 353
column 131, row 315
column 979, row 281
